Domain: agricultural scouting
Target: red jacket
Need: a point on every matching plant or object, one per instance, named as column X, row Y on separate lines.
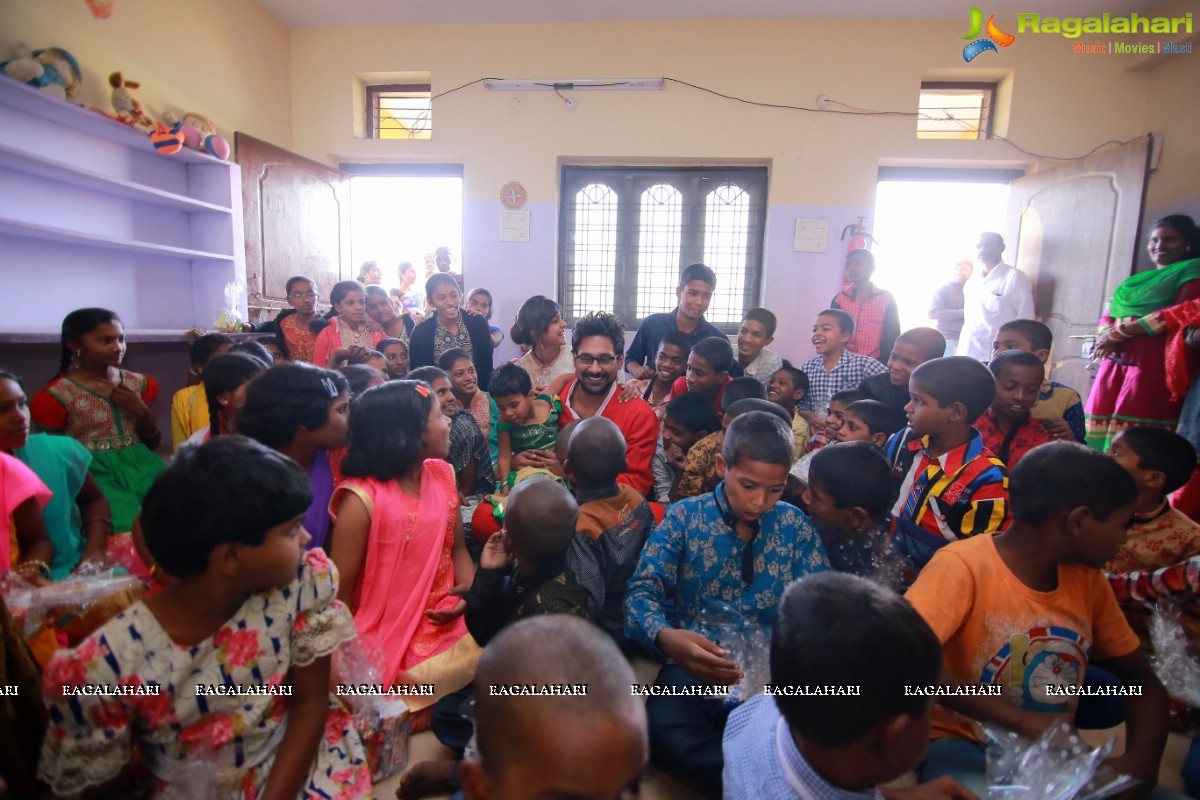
column 637, row 421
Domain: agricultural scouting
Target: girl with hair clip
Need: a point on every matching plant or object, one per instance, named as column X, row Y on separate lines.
column 236, row 648
column 540, row 326
column 105, row 408
column 225, row 382
column 302, row 411
column 350, row 328
column 398, row 542
column 77, row 517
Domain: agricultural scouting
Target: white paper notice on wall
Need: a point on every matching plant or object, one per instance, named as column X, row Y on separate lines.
column 812, row 236
column 514, row 226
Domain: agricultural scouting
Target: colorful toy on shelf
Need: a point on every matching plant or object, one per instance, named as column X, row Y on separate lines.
column 167, row 141
column 199, row 133
column 53, row 70
column 128, row 109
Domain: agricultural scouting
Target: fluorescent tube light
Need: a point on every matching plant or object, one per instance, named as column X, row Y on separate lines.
column 574, row 84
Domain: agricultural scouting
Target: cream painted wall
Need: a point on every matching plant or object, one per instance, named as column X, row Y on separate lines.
column 1173, row 109
column 1064, row 104
column 822, row 164
column 226, row 59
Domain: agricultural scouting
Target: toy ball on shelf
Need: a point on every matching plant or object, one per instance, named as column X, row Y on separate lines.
column 217, row 146
column 166, row 141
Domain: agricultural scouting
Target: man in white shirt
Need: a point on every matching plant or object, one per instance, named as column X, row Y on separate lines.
column 997, row 294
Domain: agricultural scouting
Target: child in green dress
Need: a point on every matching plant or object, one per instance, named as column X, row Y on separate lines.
column 106, row 408
column 528, row 421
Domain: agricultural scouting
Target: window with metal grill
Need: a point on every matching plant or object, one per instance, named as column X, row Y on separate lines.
column 626, row 232
column 954, row 110
column 399, row 111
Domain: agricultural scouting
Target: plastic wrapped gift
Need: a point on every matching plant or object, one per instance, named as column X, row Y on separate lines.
column 1176, row 668
column 743, row 642
column 78, row 604
column 230, row 319
column 382, row 720
column 1058, row 766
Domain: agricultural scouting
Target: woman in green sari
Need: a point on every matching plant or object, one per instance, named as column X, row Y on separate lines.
column 1131, row 386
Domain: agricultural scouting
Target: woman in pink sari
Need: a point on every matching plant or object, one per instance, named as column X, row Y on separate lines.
column 25, row 547
column 398, row 543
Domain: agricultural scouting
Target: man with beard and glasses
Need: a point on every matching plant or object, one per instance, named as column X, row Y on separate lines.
column 598, row 343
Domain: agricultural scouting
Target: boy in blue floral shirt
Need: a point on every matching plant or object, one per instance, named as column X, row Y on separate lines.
column 738, row 546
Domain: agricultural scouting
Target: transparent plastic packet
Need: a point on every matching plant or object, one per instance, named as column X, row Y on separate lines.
column 1178, row 670
column 1058, row 766
column 79, row 603
column 381, row 719
column 199, row 776
column 230, row 319
column 744, row 643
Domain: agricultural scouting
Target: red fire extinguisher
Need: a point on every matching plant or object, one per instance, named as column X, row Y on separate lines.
column 860, row 239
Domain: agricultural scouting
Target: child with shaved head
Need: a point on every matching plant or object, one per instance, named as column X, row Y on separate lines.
column 591, row 745
column 614, row 522
column 539, row 524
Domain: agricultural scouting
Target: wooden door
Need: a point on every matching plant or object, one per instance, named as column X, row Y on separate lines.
column 297, row 218
column 1073, row 230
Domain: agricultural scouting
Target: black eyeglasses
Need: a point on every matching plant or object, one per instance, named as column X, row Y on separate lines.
column 302, row 295
column 587, row 359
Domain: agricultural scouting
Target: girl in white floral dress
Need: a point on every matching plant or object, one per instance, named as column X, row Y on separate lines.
column 218, row 686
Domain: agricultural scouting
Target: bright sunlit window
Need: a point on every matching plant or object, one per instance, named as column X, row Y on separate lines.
column 956, row 110
column 401, row 219
column 924, row 228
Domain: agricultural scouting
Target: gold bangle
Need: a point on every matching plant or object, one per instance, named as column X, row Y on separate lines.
column 42, row 567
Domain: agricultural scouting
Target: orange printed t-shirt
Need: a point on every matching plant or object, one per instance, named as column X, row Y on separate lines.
column 995, row 630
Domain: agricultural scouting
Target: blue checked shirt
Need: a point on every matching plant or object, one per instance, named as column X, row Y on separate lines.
column 693, row 560
column 848, row 373
column 753, row 746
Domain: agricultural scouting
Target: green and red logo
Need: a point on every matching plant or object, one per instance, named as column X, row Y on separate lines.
column 994, row 37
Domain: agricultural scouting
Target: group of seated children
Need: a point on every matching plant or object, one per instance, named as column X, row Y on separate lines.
column 943, row 480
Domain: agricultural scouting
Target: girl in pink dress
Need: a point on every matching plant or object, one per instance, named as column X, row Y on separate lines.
column 350, row 327
column 398, row 542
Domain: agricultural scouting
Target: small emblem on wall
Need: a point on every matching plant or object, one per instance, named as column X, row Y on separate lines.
column 513, row 196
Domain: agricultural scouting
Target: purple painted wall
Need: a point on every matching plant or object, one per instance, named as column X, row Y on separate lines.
column 796, row 286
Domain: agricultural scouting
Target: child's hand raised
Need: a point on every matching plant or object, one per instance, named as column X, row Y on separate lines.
column 496, row 554
column 699, row 657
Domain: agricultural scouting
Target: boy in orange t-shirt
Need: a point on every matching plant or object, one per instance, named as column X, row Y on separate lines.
column 1025, row 610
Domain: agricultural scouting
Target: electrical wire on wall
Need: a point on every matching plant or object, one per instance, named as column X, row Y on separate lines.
column 845, row 108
